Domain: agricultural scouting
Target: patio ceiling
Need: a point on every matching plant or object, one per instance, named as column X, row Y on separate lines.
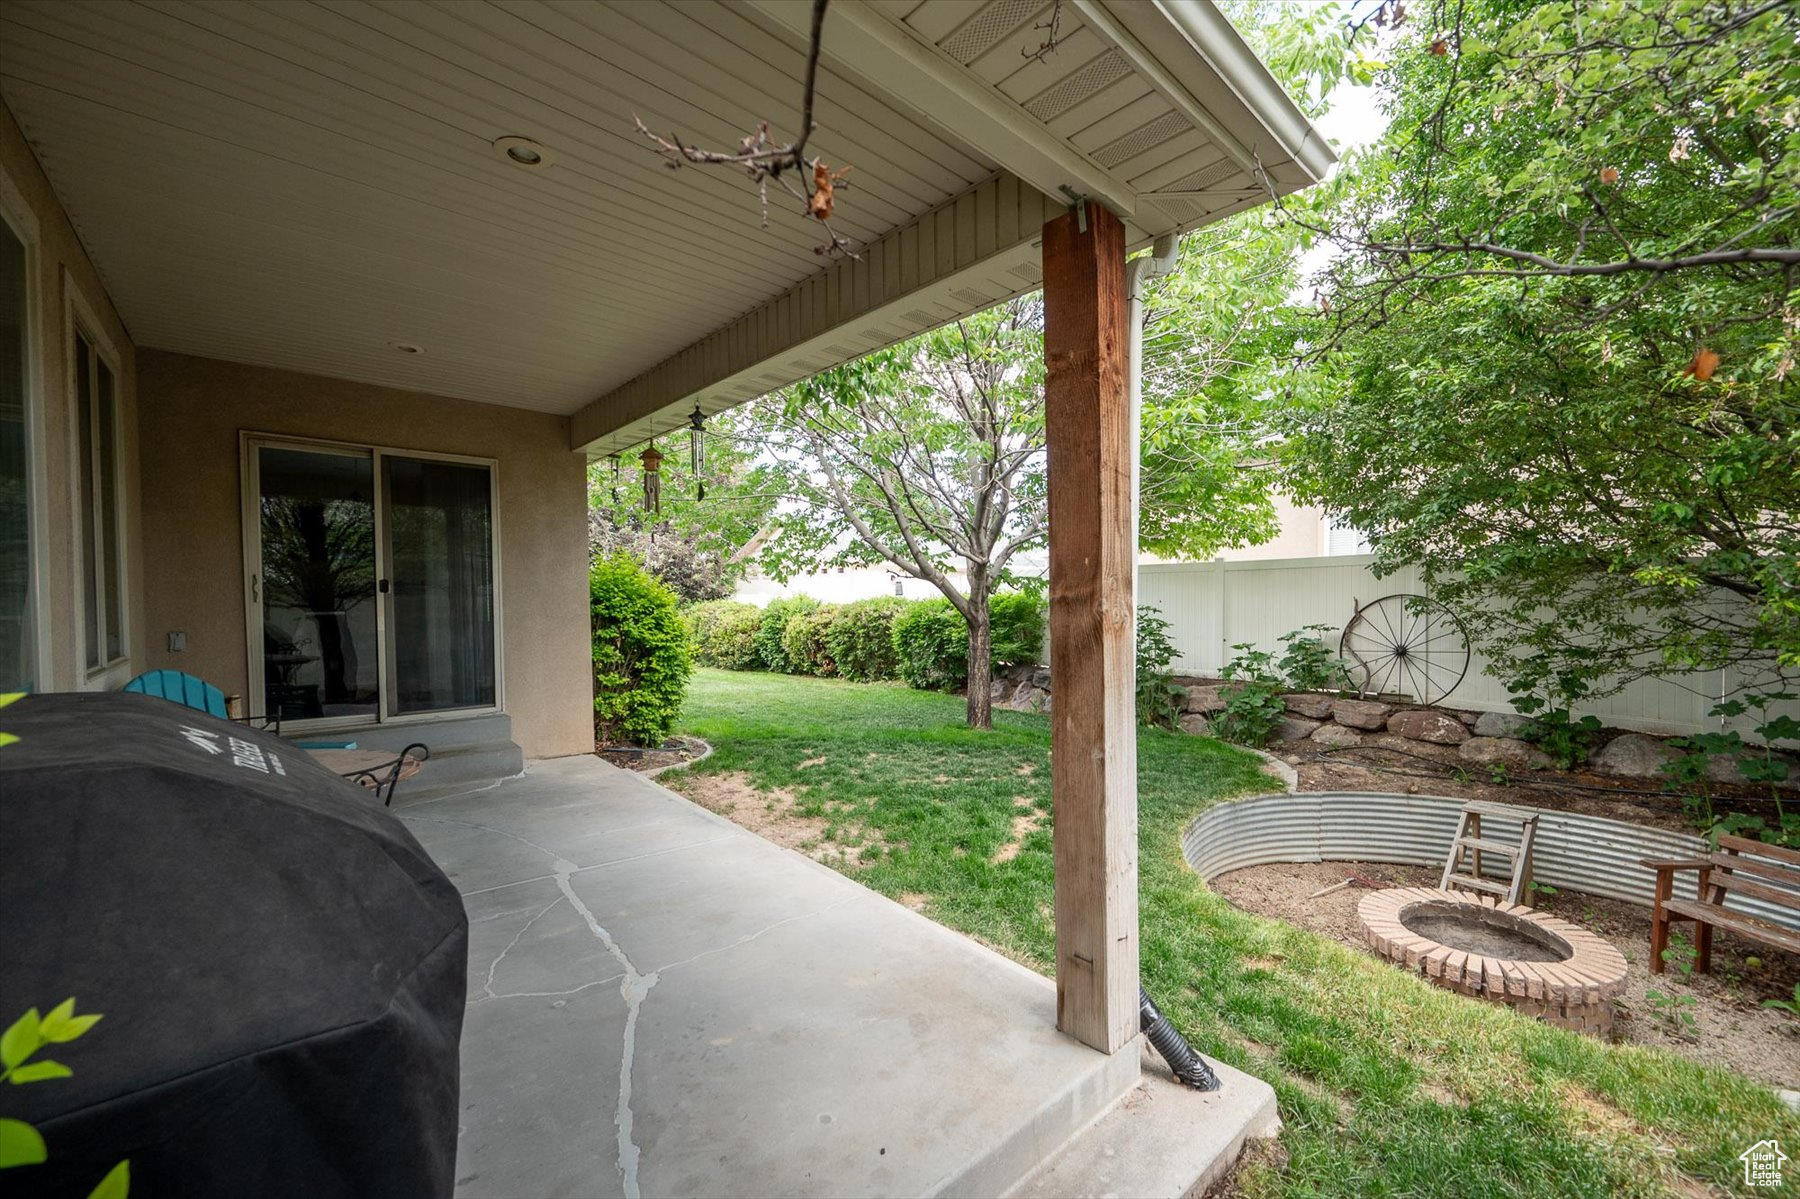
column 305, row 185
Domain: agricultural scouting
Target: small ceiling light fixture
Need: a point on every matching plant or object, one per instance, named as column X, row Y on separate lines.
column 406, row 347
column 522, row 152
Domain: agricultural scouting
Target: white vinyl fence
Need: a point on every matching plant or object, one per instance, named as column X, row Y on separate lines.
column 1211, row 606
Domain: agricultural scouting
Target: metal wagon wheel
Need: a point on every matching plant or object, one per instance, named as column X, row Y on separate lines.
column 1405, row 644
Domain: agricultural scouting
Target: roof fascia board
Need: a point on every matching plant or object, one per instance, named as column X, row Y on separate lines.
column 1265, row 115
column 984, row 240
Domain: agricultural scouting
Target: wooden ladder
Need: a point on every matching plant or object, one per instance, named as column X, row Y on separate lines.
column 1469, row 840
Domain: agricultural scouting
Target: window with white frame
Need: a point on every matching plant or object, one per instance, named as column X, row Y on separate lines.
column 103, row 582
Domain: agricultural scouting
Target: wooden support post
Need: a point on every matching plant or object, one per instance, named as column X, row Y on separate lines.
column 1093, row 748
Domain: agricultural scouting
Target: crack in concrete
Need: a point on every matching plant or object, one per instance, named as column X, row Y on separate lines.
column 488, row 986
column 419, row 803
column 633, row 988
column 611, row 978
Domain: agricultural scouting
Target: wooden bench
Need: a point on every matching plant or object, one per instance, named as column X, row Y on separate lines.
column 1726, row 871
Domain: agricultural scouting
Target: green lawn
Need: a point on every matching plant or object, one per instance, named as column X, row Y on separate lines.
column 1387, row 1085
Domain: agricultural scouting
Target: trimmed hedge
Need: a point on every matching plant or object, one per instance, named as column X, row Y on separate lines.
column 861, row 639
column 931, row 641
column 922, row 642
column 770, row 630
column 803, row 641
column 723, row 634
column 1017, row 628
column 640, row 649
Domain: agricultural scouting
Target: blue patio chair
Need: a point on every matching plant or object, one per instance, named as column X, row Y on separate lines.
column 190, row 692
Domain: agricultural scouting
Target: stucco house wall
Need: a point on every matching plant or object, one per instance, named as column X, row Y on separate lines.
column 193, row 412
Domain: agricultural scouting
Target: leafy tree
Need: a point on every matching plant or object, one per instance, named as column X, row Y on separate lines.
column 1218, row 328
column 924, row 456
column 1556, row 356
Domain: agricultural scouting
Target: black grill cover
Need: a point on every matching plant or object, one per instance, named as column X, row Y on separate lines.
column 279, row 966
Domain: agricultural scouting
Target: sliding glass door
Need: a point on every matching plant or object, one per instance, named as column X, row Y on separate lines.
column 320, row 641
column 371, row 589
column 440, row 554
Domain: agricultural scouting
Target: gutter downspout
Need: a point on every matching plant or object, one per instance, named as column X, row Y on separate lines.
column 1138, row 272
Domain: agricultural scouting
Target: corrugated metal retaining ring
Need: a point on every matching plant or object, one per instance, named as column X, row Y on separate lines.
column 1573, row 852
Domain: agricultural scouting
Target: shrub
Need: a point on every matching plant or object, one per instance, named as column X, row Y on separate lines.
column 803, row 642
column 1308, row 663
column 773, row 625
column 641, row 655
column 1159, row 700
column 931, row 643
column 861, row 639
column 1018, row 628
column 723, row 634
column 1253, row 703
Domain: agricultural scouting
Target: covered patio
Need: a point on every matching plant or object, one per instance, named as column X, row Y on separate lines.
column 662, row 1003
column 312, row 362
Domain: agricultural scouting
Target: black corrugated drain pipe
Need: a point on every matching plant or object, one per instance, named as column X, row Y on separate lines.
column 1174, row 1048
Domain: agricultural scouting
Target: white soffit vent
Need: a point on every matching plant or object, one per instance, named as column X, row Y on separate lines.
column 982, row 31
column 1204, row 178
column 1170, row 124
column 1102, row 72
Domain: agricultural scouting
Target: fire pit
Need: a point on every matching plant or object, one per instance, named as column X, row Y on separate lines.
column 1508, row 953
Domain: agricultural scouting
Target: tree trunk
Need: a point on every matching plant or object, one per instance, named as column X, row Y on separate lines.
column 981, row 653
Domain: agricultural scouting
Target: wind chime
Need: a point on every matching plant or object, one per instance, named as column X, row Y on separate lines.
column 697, row 451
column 652, row 463
column 614, row 459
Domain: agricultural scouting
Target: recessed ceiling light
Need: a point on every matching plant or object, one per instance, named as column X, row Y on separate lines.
column 406, row 347
column 522, row 152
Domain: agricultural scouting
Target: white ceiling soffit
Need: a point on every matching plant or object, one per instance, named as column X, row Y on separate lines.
column 1155, row 108
column 301, row 185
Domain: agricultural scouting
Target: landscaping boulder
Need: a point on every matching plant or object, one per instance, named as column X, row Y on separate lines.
column 1196, row 724
column 1730, row 770
column 1500, row 724
column 1001, row 690
column 1204, row 699
column 1295, row 728
column 1634, row 756
column 1029, row 698
column 1332, row 736
column 1424, row 724
column 1310, row 705
column 1360, row 713
column 1509, row 752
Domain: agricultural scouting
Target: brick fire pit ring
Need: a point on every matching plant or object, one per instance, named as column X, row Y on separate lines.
column 1507, row 953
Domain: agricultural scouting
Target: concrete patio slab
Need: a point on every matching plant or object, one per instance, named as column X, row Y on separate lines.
column 663, row 1003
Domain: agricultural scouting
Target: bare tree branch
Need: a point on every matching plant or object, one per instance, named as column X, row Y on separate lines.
column 766, row 162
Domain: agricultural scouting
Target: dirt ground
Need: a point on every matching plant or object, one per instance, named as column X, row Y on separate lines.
column 1397, row 765
column 1730, row 1027
column 672, row 752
